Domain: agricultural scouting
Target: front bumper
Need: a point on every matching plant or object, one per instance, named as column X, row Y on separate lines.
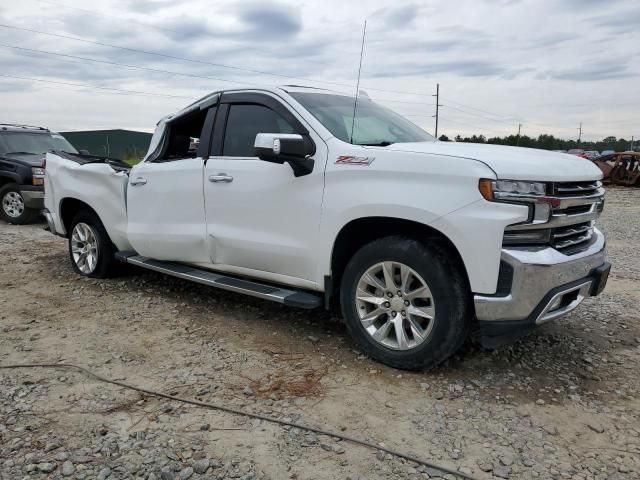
column 544, row 285
column 33, row 197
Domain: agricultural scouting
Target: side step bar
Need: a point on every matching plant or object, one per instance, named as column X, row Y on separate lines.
column 292, row 298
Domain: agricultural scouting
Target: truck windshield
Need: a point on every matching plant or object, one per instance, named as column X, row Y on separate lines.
column 374, row 124
column 33, row 143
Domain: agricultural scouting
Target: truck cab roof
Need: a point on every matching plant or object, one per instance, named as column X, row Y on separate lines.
column 17, row 128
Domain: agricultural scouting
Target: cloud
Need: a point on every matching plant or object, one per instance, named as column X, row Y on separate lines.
column 148, row 7
column 594, row 71
column 397, row 16
column 465, row 68
column 552, row 40
column 621, row 21
column 187, row 28
column 271, row 20
column 497, row 55
column 580, row 5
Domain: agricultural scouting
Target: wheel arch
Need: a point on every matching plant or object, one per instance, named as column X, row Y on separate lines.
column 358, row 232
column 69, row 208
column 9, row 177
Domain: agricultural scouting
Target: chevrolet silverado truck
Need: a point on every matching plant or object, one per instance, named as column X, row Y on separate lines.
column 293, row 197
column 22, row 154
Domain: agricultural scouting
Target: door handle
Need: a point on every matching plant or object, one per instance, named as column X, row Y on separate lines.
column 138, row 181
column 221, row 177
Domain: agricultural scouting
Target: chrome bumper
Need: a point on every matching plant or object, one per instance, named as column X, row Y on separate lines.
column 546, row 284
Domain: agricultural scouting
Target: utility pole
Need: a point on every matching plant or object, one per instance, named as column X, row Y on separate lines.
column 437, row 95
column 580, row 135
column 631, row 147
column 518, row 140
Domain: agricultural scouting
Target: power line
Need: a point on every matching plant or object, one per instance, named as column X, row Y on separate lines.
column 84, row 85
column 151, row 25
column 105, row 15
column 188, row 59
column 524, row 122
column 132, row 20
column 473, row 126
column 170, row 72
column 477, row 115
column 156, row 26
column 126, row 65
column 506, row 118
column 239, row 69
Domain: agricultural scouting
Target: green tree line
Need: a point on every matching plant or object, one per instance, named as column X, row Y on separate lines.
column 547, row 142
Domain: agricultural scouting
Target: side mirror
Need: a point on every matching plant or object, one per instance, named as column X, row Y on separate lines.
column 286, row 147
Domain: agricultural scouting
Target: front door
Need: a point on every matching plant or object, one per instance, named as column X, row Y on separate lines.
column 165, row 202
column 261, row 220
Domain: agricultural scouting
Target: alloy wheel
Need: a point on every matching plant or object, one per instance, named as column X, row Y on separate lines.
column 13, row 204
column 395, row 305
column 84, row 248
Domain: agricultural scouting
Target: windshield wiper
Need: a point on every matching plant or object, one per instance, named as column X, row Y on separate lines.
column 378, row 144
column 21, row 153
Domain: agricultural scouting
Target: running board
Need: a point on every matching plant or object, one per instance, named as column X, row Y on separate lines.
column 292, row 298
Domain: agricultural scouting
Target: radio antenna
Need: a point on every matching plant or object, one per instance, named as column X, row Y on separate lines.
column 355, row 102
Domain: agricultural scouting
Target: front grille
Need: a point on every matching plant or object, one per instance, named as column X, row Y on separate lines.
column 575, row 189
column 575, row 215
column 575, row 210
column 571, row 222
column 570, row 237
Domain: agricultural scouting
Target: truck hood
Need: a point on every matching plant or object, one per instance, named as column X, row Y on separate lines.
column 28, row 160
column 515, row 163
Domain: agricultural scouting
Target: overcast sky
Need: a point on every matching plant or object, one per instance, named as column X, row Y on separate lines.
column 548, row 64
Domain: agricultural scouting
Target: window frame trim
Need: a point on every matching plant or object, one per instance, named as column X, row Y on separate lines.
column 250, row 98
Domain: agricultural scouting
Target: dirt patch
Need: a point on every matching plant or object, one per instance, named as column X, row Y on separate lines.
column 560, row 403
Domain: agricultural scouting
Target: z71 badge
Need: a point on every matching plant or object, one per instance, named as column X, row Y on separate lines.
column 351, row 160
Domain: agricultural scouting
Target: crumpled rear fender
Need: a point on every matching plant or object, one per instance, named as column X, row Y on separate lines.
column 98, row 185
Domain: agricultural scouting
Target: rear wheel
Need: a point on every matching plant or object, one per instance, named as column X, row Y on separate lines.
column 405, row 303
column 12, row 207
column 90, row 248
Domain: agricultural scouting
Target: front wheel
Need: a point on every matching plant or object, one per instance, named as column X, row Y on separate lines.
column 12, row 207
column 90, row 248
column 406, row 303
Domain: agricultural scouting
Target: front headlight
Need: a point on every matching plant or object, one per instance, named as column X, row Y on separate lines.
column 506, row 190
column 532, row 194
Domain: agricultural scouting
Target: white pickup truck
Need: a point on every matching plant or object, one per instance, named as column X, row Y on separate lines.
column 287, row 197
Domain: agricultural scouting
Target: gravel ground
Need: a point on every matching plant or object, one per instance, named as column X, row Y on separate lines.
column 561, row 403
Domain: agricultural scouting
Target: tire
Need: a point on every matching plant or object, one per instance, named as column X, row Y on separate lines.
column 12, row 208
column 412, row 342
column 89, row 240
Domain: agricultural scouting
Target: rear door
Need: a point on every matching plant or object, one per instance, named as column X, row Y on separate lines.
column 262, row 221
column 165, row 203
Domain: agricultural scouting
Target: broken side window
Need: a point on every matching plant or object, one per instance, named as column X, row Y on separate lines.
column 182, row 136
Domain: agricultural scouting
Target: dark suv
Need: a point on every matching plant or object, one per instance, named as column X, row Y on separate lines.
column 22, row 163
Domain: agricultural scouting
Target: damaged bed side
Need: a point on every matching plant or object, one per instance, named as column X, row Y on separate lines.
column 99, row 183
